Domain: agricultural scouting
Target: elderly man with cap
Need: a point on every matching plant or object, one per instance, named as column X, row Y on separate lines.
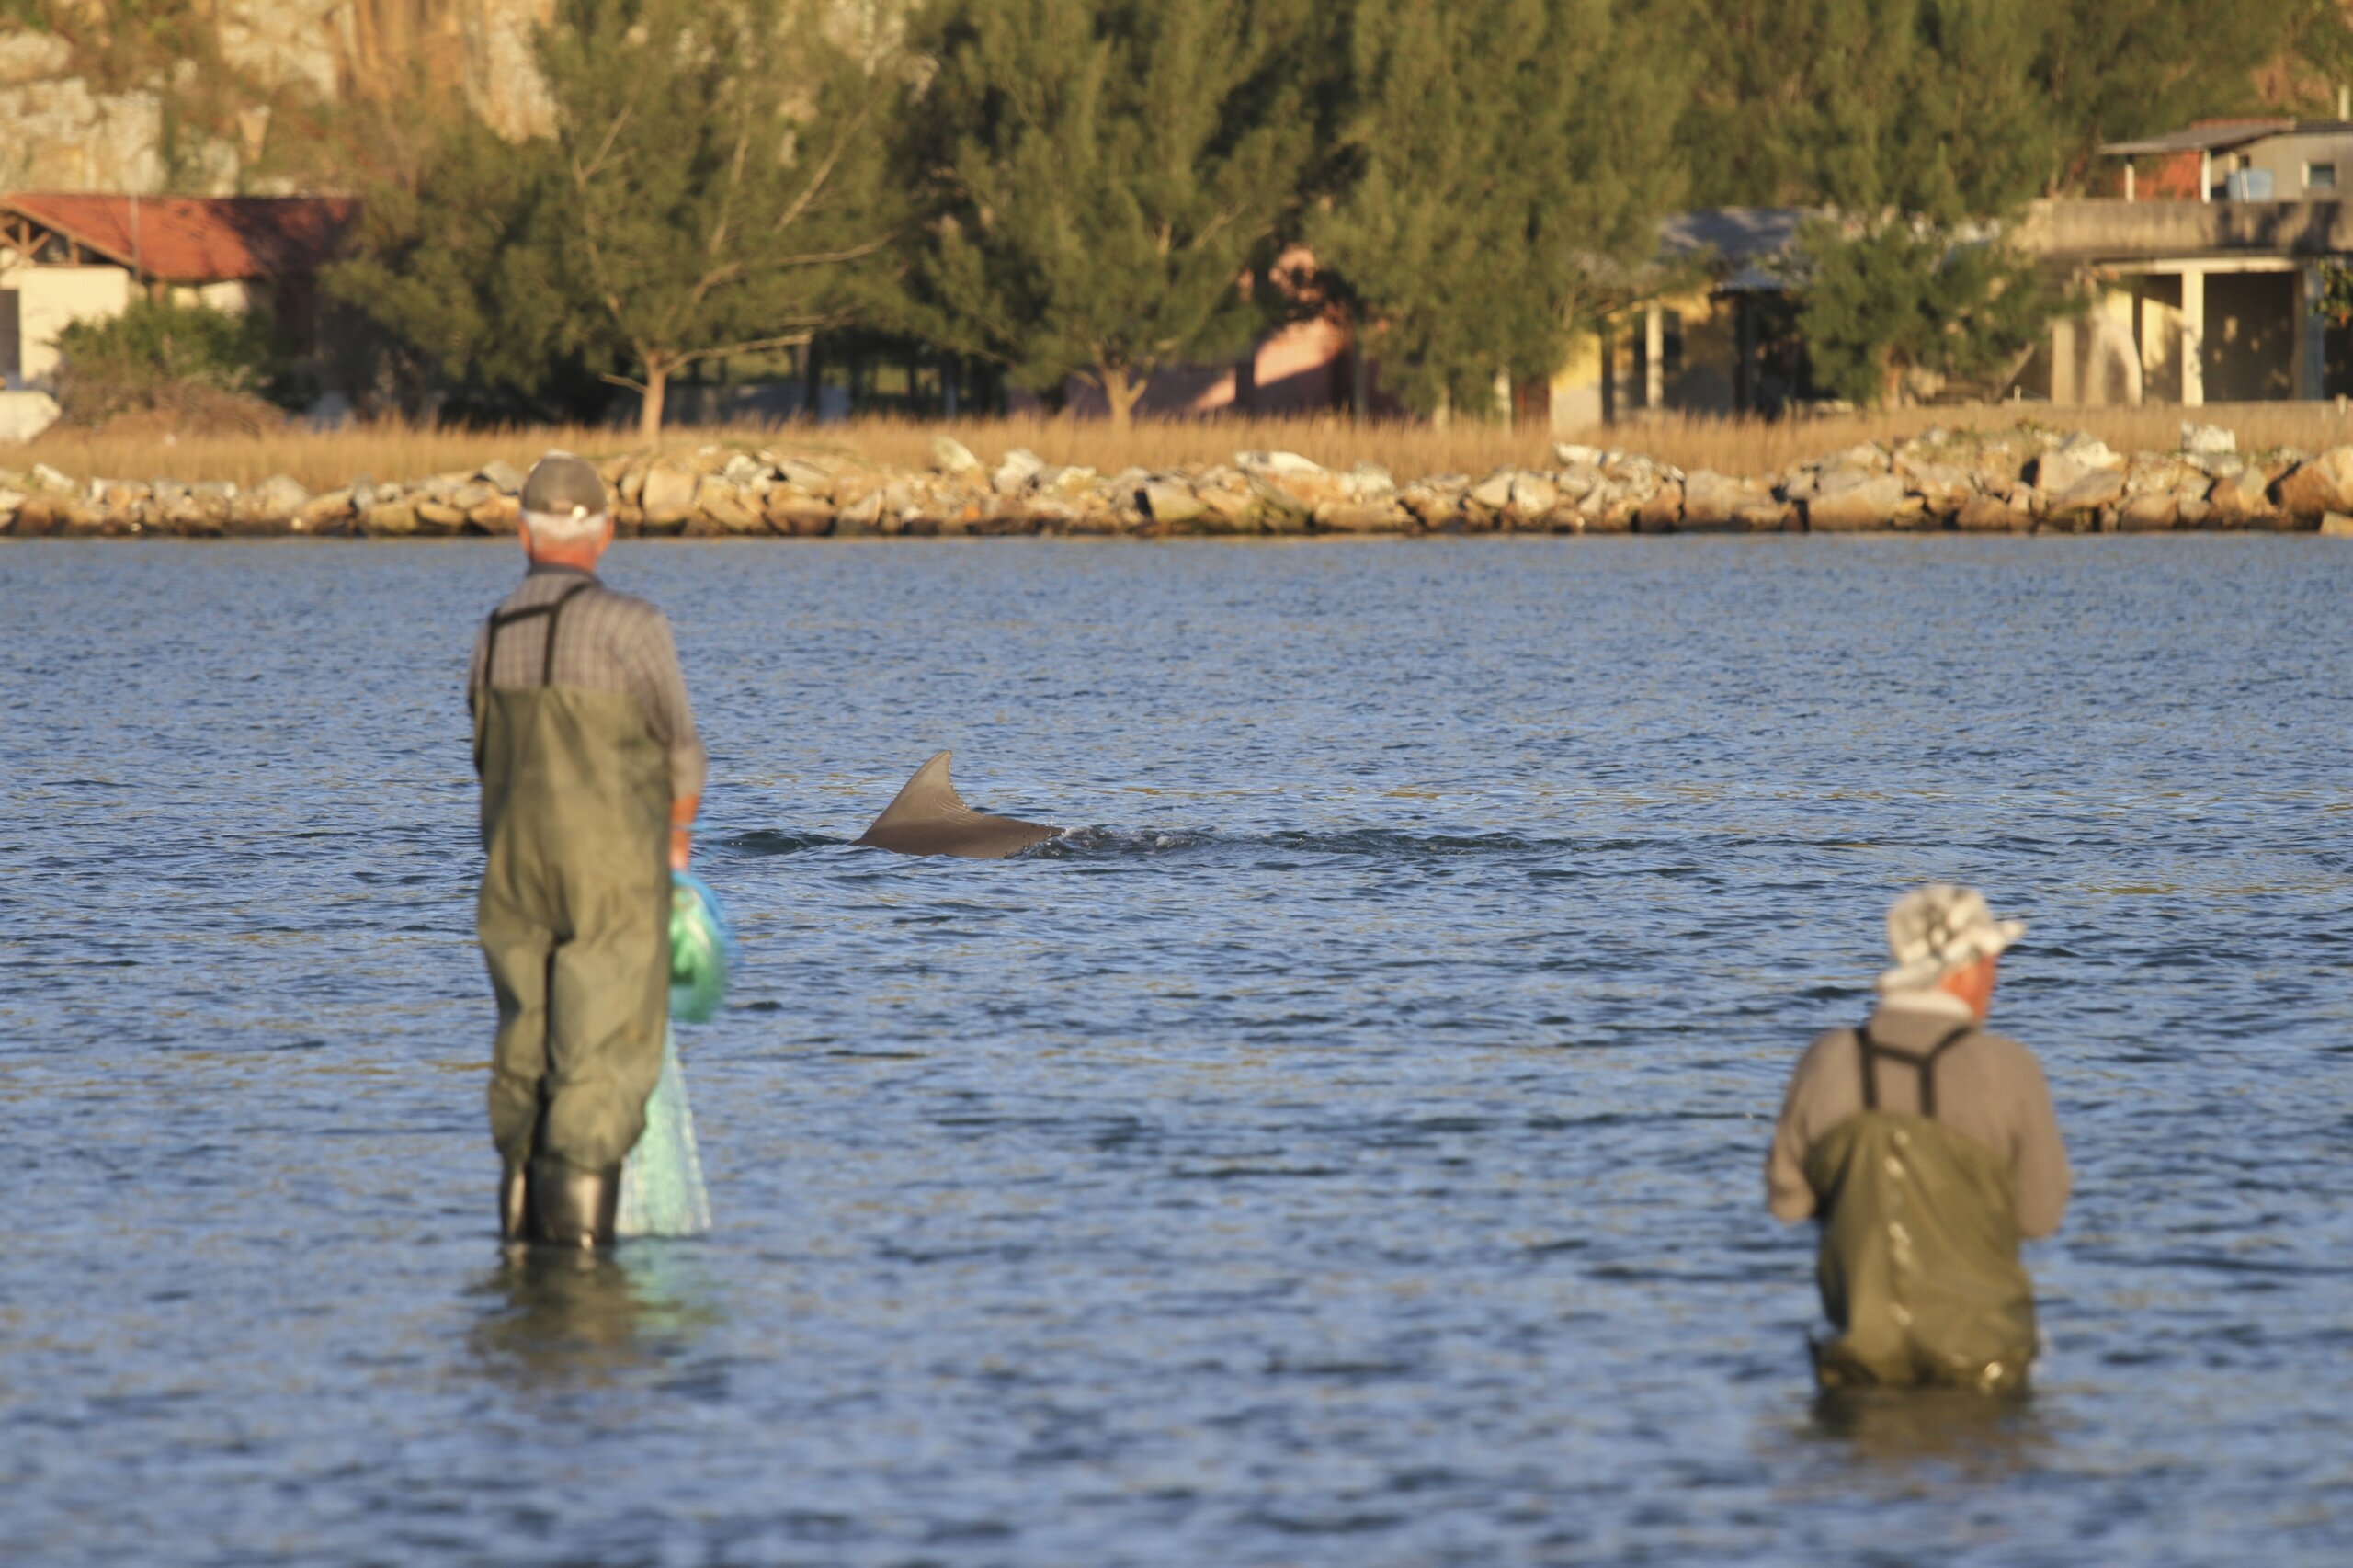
column 1925, row 1144
column 591, row 774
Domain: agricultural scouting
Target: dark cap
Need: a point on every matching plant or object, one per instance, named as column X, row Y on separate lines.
column 562, row 485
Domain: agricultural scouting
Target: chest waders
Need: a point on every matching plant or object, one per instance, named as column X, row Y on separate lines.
column 1919, row 1261
column 574, row 920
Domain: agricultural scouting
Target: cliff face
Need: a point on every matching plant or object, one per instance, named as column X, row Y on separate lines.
column 69, row 122
column 342, row 49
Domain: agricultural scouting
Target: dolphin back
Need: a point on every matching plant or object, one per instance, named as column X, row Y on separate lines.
column 929, row 818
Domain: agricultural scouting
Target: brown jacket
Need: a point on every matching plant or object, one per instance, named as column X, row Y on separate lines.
column 1989, row 1088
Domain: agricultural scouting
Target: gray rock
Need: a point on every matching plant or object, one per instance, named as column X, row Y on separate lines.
column 2241, row 497
column 2089, row 450
column 1577, row 481
column 1378, row 517
column 1567, row 454
column 1493, row 492
column 805, row 477
column 2148, row 513
column 669, row 492
column 1166, row 502
column 2207, row 440
column 1871, row 502
column 280, row 495
column 502, row 476
column 2096, row 490
column 728, row 508
column 950, row 456
column 1532, row 497
column 1984, row 514
column 2317, row 486
column 1712, row 500
column 1014, row 474
column 25, row 414
column 1276, row 465
column 2056, row 472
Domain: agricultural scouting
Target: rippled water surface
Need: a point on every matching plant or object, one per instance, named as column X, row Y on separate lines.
column 1343, row 1149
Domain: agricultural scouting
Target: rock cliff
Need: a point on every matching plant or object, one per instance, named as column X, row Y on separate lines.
column 91, row 100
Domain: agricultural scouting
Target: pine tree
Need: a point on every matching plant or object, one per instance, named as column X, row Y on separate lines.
column 2117, row 69
column 721, row 170
column 1494, row 159
column 464, row 263
column 1897, row 295
column 1929, row 106
column 1099, row 177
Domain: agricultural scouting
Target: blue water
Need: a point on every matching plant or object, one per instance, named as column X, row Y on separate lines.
column 1343, row 1149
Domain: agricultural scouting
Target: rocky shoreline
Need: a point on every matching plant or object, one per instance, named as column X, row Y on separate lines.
column 2023, row 481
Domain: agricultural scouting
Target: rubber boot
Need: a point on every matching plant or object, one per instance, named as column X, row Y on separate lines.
column 514, row 1205
column 573, row 1208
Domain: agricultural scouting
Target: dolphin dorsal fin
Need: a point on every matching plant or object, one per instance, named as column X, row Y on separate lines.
column 925, row 799
column 928, row 817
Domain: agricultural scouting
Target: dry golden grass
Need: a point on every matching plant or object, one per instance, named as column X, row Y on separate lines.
column 320, row 459
column 323, row 461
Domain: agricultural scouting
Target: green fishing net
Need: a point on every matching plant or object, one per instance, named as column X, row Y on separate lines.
column 662, row 1186
column 701, row 944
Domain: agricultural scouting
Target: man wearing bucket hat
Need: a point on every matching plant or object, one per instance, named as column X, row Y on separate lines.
column 1925, row 1144
column 591, row 773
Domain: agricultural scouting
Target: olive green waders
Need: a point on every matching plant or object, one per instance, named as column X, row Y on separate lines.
column 574, row 920
column 1919, row 1261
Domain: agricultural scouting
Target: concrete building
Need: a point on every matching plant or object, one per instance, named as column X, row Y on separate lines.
column 2207, row 277
column 2193, row 301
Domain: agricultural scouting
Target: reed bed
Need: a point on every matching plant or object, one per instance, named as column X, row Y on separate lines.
column 328, row 460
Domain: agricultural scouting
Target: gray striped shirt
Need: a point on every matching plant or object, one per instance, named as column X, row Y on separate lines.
column 609, row 642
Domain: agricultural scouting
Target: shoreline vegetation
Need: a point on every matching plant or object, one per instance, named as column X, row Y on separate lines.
column 2001, row 468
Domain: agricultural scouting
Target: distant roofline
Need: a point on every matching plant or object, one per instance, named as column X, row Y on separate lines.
column 2225, row 136
column 64, row 213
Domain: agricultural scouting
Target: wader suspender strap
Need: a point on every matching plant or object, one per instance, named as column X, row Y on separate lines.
column 553, row 610
column 1869, row 1049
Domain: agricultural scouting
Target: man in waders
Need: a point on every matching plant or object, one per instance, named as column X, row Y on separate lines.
column 591, row 773
column 1925, row 1144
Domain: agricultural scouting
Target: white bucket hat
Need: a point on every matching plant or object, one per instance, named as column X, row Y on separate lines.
column 1938, row 928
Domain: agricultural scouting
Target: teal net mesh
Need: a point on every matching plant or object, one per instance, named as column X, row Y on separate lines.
column 662, row 1187
column 700, row 946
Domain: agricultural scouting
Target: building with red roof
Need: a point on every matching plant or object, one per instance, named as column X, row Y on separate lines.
column 72, row 256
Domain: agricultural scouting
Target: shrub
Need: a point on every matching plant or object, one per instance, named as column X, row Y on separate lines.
column 158, row 356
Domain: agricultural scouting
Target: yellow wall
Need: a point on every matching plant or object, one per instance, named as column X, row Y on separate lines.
column 1704, row 379
column 49, row 297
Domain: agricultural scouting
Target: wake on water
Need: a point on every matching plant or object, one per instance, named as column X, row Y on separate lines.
column 1104, row 843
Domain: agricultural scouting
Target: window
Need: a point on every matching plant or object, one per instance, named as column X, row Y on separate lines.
column 12, row 341
column 2320, row 177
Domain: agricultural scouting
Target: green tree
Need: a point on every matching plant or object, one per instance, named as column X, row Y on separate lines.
column 1098, row 177
column 721, row 165
column 466, row 264
column 1926, row 106
column 1495, row 161
column 2117, row 69
column 1963, row 106
column 1895, row 295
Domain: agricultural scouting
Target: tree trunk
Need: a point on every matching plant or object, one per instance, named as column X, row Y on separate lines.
column 649, row 416
column 1120, row 391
